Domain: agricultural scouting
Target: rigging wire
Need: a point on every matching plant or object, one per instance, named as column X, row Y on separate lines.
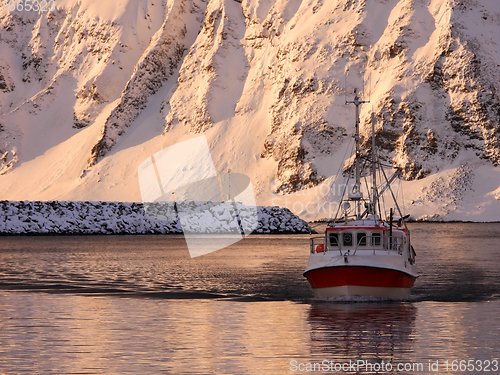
column 393, row 197
column 346, row 184
column 403, row 196
column 378, row 200
column 383, row 205
column 350, row 147
column 397, row 191
column 368, row 190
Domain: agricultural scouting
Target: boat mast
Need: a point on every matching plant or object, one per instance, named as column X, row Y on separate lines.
column 356, row 194
column 374, row 170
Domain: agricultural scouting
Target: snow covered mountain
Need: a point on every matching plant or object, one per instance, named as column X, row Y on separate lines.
column 91, row 89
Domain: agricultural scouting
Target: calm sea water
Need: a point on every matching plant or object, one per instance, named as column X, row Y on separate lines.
column 140, row 305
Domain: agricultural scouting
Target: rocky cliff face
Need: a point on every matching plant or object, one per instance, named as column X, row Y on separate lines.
column 282, row 68
column 158, row 62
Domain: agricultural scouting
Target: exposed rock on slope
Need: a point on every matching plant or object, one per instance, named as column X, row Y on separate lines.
column 157, row 64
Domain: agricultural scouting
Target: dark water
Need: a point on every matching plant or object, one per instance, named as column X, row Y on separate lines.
column 139, row 304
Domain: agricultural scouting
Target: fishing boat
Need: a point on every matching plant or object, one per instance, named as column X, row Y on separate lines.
column 360, row 253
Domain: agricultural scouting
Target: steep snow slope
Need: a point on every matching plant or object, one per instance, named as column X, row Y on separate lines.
column 90, row 90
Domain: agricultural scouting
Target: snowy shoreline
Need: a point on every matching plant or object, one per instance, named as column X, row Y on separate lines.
column 89, row 218
column 430, row 221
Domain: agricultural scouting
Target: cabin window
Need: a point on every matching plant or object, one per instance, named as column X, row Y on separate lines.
column 347, row 239
column 376, row 239
column 334, row 239
column 361, row 239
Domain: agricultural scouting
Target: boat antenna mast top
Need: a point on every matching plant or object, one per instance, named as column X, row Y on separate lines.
column 356, row 194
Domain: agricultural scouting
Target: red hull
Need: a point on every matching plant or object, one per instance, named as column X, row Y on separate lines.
column 358, row 276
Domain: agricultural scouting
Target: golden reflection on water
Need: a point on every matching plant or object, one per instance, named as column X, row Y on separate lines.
column 73, row 333
column 458, row 331
column 234, row 337
column 52, row 333
column 109, row 334
column 353, row 331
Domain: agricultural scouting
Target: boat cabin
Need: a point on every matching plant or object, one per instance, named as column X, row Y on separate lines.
column 353, row 239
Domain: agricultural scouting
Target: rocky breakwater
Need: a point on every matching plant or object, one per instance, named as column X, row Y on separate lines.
column 65, row 217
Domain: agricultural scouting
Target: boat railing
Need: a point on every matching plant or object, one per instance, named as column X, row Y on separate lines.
column 394, row 243
column 386, row 243
column 318, row 244
column 323, row 244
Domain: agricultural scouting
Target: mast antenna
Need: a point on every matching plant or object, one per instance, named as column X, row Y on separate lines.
column 356, row 194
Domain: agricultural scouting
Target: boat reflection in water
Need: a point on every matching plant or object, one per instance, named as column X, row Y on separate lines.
column 372, row 332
